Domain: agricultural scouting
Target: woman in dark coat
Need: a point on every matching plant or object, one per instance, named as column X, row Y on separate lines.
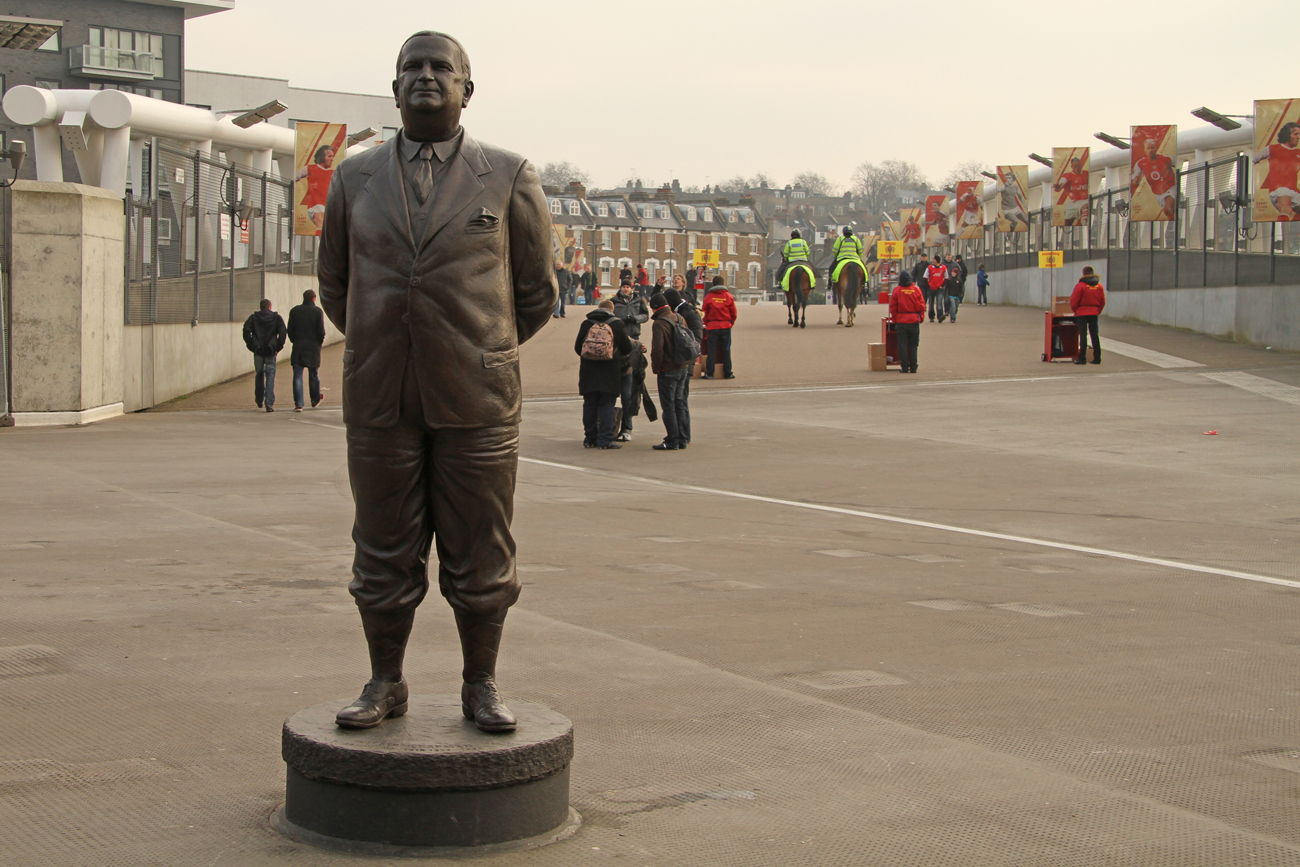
column 600, row 382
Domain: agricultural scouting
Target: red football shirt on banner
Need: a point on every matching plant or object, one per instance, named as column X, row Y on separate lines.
column 1075, row 186
column 1283, row 168
column 1159, row 172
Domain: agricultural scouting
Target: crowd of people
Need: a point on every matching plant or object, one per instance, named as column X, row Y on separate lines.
column 614, row 363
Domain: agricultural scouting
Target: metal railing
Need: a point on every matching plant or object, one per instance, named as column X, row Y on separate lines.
column 112, row 62
column 1207, row 244
column 188, row 256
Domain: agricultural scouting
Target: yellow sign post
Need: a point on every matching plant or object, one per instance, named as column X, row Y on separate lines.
column 707, row 258
column 1051, row 259
column 889, row 249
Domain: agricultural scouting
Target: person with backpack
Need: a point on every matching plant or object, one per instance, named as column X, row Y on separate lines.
column 719, row 316
column 264, row 335
column 685, row 309
column 673, row 350
column 602, row 345
column 982, row 284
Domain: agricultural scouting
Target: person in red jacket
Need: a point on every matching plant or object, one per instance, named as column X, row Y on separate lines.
column 936, row 275
column 907, row 309
column 719, row 316
column 1087, row 301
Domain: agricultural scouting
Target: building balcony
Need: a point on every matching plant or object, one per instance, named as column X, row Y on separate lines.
column 119, row 63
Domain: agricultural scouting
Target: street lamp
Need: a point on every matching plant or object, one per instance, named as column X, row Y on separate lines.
column 1040, row 159
column 1222, row 121
column 361, row 135
column 989, row 175
column 262, row 112
column 16, row 153
column 1114, row 140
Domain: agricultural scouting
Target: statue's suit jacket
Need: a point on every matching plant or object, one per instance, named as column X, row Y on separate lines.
column 458, row 301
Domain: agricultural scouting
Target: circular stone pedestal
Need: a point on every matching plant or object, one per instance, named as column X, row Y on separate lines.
column 428, row 782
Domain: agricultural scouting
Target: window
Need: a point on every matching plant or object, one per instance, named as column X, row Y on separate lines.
column 670, row 268
column 577, row 238
column 749, row 216
column 662, row 211
column 606, row 238
column 668, row 242
column 706, row 214
column 603, row 209
column 390, row 133
column 606, row 265
column 555, row 206
column 690, row 214
column 48, row 84
column 732, row 268
column 731, row 244
column 652, row 269
column 731, row 216
column 652, row 242
column 692, row 242
column 128, row 40
column 619, row 210
column 753, row 246
column 575, row 209
column 51, row 44
column 624, row 241
column 755, row 275
column 717, row 242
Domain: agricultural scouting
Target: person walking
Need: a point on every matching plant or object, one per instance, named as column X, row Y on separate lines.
column 264, row 334
column 564, row 279
column 719, row 317
column 982, row 285
column 672, row 375
column 602, row 346
column 907, row 309
column 685, row 309
column 632, row 309
column 1087, row 301
column 307, row 334
column 954, row 290
column 588, row 285
column 935, row 276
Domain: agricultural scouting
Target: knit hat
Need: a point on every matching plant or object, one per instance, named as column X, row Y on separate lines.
column 905, row 279
column 658, row 300
column 673, row 297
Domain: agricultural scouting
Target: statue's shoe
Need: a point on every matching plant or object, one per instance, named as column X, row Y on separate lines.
column 379, row 700
column 481, row 703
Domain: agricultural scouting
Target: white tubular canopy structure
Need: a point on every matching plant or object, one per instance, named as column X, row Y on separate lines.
column 98, row 126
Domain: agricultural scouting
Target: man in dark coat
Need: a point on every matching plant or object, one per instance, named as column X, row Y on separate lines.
column 264, row 335
column 685, row 309
column 307, row 334
column 600, row 381
column 435, row 262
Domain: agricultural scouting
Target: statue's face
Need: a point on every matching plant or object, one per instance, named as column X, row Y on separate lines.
column 431, row 78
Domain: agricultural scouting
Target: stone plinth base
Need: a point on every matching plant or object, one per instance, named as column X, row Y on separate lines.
column 427, row 783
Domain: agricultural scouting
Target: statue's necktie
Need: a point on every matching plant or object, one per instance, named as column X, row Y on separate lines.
column 424, row 173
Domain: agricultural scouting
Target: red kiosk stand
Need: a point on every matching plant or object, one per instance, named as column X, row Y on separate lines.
column 1060, row 337
column 889, row 337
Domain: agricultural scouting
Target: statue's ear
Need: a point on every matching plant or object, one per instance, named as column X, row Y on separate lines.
column 397, row 100
column 469, row 91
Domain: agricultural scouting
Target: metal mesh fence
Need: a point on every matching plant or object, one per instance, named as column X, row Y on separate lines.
column 6, row 222
column 199, row 245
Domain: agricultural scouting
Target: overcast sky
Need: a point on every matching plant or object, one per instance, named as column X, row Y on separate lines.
column 703, row 90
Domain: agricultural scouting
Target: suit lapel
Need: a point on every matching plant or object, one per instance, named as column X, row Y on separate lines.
column 389, row 191
column 458, row 187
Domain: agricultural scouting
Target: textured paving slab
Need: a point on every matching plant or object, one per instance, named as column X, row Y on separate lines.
column 761, row 666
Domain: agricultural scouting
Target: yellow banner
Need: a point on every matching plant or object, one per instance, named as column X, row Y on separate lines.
column 1051, row 259
column 889, row 249
column 707, row 258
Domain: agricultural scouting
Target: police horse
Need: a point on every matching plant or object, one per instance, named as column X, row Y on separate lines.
column 797, row 282
column 850, row 280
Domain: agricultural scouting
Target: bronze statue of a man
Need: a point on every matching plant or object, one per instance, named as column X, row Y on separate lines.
column 435, row 262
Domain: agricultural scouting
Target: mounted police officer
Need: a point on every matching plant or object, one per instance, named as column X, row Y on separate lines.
column 795, row 250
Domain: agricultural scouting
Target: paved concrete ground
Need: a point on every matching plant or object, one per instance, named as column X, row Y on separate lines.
column 1000, row 613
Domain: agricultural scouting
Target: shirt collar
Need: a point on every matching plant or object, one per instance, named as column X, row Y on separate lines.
column 443, row 150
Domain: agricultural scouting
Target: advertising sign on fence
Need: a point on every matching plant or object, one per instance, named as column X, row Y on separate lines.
column 1070, row 186
column 968, row 212
column 936, row 221
column 1277, row 160
column 889, row 249
column 1013, row 199
column 1153, row 176
column 316, row 147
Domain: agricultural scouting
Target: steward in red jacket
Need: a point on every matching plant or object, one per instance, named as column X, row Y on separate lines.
column 719, row 316
column 1087, row 301
column 907, row 309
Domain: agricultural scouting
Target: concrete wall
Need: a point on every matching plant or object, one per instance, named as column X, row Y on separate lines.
column 1262, row 315
column 162, row 362
column 67, row 301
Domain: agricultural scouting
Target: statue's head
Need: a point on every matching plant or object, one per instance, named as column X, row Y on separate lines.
column 433, row 80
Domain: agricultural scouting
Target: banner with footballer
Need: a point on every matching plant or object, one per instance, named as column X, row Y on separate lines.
column 1277, row 160
column 1070, row 186
column 936, row 221
column 912, row 232
column 968, row 211
column 1153, row 175
column 315, row 148
column 1013, row 200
